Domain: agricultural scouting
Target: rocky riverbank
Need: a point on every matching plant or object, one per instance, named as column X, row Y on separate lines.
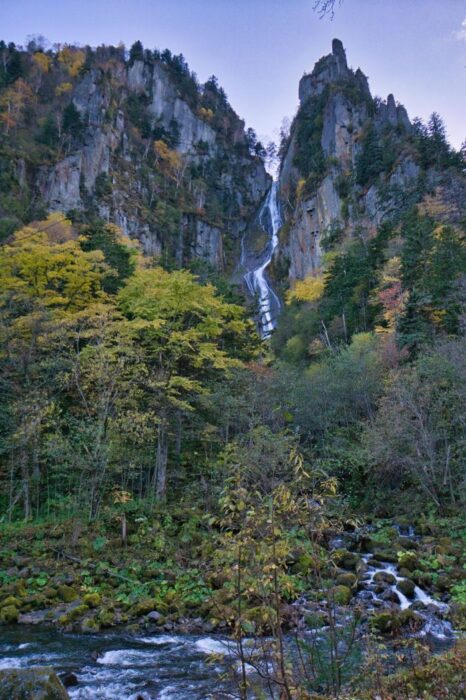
column 397, row 579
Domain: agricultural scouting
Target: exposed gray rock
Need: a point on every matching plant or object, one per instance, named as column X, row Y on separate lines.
column 167, row 106
column 108, row 149
column 208, row 245
column 346, row 114
column 328, row 69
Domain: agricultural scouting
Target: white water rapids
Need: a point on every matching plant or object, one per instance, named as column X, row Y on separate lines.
column 255, row 278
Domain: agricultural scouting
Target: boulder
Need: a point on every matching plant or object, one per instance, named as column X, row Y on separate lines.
column 341, row 595
column 347, row 579
column 385, row 577
column 390, row 596
column 9, row 601
column 67, row 594
column 92, row 600
column 39, row 683
column 346, row 559
column 409, row 561
column 407, row 587
column 386, row 622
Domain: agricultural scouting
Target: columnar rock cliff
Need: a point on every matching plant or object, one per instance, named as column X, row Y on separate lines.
column 135, row 141
column 350, row 162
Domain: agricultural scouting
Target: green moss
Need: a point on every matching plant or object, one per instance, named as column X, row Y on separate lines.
column 350, row 580
column 93, row 600
column 67, row 594
column 10, row 601
column 9, row 614
column 385, row 622
column 341, row 595
column 73, row 615
column 27, row 684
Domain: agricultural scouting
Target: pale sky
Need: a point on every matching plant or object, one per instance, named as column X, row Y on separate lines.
column 260, row 48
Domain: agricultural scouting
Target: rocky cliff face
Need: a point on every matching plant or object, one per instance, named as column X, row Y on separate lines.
column 138, row 143
column 347, row 164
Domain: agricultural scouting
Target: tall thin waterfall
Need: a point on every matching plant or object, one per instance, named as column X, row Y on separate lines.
column 256, row 280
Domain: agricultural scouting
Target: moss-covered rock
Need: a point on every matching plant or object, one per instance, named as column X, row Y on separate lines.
column 39, row 683
column 407, row 587
column 386, row 622
column 93, row 600
column 304, row 565
column 67, row 594
column 347, row 560
column 386, row 555
column 315, row 620
column 72, row 615
column 384, row 577
column 144, row 606
column 408, row 560
column 9, row 601
column 341, row 595
column 443, row 582
column 89, row 625
column 347, row 579
column 8, row 614
column 409, row 618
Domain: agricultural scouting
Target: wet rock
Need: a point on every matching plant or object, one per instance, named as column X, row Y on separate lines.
column 37, row 617
column 390, row 596
column 39, row 683
column 69, row 680
column 407, row 587
column 384, row 577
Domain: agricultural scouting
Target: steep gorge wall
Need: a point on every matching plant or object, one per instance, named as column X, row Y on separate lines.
column 322, row 200
column 165, row 159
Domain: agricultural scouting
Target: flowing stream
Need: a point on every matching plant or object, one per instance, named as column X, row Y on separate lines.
column 256, row 265
column 119, row 666
column 123, row 666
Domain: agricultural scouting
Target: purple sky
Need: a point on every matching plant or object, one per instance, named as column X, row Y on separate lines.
column 260, row 48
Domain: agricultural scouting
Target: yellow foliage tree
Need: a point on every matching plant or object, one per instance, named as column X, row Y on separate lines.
column 309, row 290
column 12, row 102
column 170, row 161
column 72, row 59
column 42, row 61
column 59, row 275
column 63, row 89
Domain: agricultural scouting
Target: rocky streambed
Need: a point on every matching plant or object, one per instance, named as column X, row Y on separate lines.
column 381, row 586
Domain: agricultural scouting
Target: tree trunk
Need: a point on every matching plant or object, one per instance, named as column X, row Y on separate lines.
column 26, row 486
column 160, row 473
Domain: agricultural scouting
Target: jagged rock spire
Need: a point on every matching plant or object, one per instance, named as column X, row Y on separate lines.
column 329, row 69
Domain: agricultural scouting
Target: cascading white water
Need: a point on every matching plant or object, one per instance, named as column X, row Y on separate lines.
column 255, row 278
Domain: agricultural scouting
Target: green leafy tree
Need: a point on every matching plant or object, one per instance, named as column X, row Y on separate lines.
column 181, row 327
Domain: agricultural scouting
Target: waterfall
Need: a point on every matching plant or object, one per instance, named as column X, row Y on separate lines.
column 255, row 278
